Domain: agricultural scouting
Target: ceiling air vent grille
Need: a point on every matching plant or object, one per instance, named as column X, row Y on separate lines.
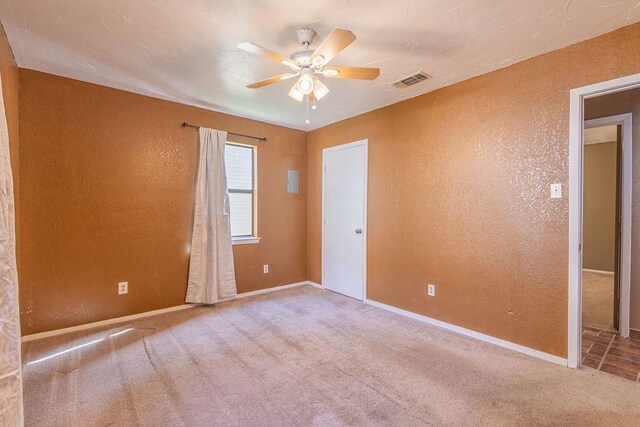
column 413, row 79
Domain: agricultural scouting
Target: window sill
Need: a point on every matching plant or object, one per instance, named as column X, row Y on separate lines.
column 245, row 240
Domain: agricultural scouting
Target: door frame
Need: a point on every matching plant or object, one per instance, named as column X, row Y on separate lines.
column 626, row 195
column 365, row 144
column 576, row 163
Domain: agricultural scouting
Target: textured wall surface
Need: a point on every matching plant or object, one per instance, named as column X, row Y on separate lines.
column 459, row 193
column 599, row 216
column 610, row 105
column 108, row 195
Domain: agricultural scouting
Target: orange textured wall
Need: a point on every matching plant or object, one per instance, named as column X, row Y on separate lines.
column 107, row 193
column 611, row 105
column 459, row 193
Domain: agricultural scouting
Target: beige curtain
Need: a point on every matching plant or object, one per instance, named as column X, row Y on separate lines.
column 211, row 272
column 11, row 413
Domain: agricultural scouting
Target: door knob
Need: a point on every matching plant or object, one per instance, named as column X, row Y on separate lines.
column 359, row 231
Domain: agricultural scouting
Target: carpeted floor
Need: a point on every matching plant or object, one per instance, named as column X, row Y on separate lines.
column 305, row 357
column 597, row 300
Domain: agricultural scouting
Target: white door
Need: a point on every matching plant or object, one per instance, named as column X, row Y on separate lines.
column 344, row 219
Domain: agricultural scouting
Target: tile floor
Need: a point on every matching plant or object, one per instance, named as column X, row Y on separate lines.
column 609, row 352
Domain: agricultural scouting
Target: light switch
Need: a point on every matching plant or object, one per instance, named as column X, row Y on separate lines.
column 292, row 181
column 556, row 191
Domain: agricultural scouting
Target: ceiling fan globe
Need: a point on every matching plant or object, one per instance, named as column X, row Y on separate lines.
column 305, row 83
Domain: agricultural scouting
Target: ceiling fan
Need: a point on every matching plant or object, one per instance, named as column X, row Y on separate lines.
column 308, row 64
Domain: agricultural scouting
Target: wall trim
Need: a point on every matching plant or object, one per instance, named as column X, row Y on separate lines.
column 276, row 288
column 457, row 329
column 588, row 270
column 473, row 334
column 106, row 322
column 245, row 240
column 131, row 317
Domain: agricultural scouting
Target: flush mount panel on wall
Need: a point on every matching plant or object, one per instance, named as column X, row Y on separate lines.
column 293, row 181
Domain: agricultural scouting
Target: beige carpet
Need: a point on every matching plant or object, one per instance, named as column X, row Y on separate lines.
column 597, row 300
column 306, row 357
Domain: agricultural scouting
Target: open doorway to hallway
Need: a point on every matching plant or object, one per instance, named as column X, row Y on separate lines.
column 607, row 235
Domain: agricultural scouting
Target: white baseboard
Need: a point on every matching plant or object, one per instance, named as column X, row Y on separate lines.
column 477, row 335
column 106, row 322
column 588, row 270
column 314, row 284
column 276, row 288
column 487, row 338
column 131, row 317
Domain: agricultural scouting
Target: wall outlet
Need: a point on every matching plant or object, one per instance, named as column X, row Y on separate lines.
column 265, row 268
column 123, row 288
column 431, row 290
column 556, row 191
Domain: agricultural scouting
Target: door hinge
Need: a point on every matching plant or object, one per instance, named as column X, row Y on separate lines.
column 579, row 247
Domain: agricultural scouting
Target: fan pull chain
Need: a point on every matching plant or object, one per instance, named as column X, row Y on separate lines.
column 307, row 120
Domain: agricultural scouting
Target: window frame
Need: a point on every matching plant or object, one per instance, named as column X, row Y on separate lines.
column 253, row 237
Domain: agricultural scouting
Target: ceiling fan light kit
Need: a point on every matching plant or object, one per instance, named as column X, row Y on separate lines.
column 305, row 82
column 309, row 64
column 296, row 94
column 319, row 89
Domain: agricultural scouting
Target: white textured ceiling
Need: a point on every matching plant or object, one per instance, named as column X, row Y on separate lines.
column 186, row 50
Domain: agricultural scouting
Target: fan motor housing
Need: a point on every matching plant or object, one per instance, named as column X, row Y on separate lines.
column 306, row 36
column 302, row 56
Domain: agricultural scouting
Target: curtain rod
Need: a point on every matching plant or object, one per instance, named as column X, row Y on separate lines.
column 259, row 138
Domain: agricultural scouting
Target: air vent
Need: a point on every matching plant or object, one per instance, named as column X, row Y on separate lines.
column 413, row 79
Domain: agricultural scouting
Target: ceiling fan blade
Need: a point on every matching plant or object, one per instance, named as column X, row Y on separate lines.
column 265, row 53
column 360, row 73
column 335, row 42
column 271, row 80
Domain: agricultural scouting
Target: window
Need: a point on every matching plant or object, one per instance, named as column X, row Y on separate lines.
column 240, row 164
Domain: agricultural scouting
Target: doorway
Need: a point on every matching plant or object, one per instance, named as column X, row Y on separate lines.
column 602, row 225
column 344, row 219
column 623, row 87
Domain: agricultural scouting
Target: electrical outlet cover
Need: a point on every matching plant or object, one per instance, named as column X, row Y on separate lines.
column 123, row 288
